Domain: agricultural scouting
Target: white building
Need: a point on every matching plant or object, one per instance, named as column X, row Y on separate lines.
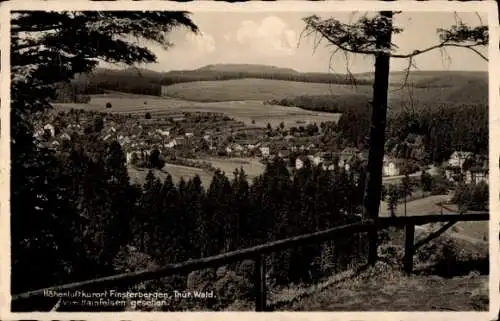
column 458, row 158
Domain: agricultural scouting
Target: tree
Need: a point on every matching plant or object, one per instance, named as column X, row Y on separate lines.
column 425, row 182
column 148, row 115
column 393, row 195
column 98, row 124
column 155, row 160
column 372, row 36
column 44, row 54
column 108, row 105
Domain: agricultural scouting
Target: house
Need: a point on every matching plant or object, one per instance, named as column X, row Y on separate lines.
column 111, row 130
column 39, row 133
column 458, row 158
column 51, row 129
column 65, row 136
column 345, row 160
column 316, row 160
column 171, row 144
column 237, row 147
column 477, row 174
column 391, row 167
column 165, row 133
column 128, row 157
column 328, row 165
column 264, row 151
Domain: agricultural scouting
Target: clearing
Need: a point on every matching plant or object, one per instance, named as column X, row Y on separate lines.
column 251, row 166
column 138, row 176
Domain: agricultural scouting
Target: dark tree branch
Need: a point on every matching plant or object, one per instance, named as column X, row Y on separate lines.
column 358, row 38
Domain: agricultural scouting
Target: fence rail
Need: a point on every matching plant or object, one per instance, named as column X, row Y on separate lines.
column 257, row 253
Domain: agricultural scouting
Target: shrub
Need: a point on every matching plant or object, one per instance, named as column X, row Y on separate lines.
column 221, row 272
column 440, row 186
column 472, row 197
column 108, row 105
column 232, row 287
column 148, row 115
column 246, row 269
column 201, row 280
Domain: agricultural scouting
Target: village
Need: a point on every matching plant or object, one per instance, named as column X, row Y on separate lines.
column 191, row 138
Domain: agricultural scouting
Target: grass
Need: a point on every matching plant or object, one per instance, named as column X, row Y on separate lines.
column 177, row 172
column 389, row 290
column 252, row 168
column 429, row 89
column 252, row 113
column 423, row 206
column 253, row 89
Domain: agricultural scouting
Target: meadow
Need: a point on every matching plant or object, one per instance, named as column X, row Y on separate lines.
column 254, row 89
column 427, row 90
column 252, row 113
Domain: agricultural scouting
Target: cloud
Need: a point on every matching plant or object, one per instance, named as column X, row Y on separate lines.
column 202, row 43
column 270, row 36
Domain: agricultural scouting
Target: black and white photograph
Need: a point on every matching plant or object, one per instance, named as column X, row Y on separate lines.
column 180, row 159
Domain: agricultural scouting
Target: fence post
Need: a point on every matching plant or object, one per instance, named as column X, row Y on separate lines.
column 409, row 248
column 260, row 283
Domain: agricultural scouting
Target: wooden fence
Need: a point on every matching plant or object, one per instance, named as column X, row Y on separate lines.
column 258, row 253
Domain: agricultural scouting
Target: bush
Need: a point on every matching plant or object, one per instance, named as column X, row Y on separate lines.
column 201, row 280
column 472, row 197
column 148, row 115
column 246, row 269
column 108, row 105
column 232, row 287
column 440, row 186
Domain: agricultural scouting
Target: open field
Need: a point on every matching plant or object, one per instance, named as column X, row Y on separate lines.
column 251, row 166
column 423, row 206
column 246, row 111
column 254, row 89
column 138, row 176
column 435, row 90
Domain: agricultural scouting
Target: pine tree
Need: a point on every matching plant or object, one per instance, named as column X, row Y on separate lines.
column 37, row 195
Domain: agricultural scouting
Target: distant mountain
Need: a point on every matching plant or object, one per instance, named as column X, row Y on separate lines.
column 250, row 68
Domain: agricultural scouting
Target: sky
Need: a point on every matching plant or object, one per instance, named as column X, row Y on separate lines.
column 274, row 38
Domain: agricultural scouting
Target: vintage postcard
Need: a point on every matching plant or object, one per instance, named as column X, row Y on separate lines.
column 336, row 158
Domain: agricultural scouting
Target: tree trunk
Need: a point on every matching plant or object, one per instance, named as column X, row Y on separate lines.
column 373, row 185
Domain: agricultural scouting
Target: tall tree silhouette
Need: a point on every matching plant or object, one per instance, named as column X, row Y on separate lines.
column 43, row 54
column 373, row 36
